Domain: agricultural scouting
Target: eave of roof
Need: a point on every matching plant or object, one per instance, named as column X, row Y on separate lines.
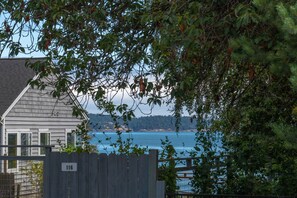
column 14, row 77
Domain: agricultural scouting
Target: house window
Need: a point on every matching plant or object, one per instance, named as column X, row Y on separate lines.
column 71, row 139
column 45, row 139
column 12, row 151
column 25, row 141
column 14, row 139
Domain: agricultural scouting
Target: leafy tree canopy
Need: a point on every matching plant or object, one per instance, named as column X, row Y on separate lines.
column 233, row 61
column 202, row 55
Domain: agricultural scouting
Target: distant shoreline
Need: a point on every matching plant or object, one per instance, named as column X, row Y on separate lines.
column 148, row 130
column 143, row 124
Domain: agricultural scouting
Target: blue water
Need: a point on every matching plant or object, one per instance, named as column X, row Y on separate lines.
column 182, row 141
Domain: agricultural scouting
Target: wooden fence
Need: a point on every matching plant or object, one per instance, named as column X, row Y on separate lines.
column 7, row 185
column 87, row 175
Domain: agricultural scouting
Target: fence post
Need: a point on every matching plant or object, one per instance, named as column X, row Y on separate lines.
column 46, row 173
column 160, row 189
column 189, row 162
column 5, row 164
column 153, row 168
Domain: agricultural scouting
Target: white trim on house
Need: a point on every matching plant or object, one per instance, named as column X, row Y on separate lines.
column 20, row 140
column 40, row 131
column 70, row 93
column 11, row 119
column 18, row 133
column 75, row 100
column 14, row 168
column 7, row 131
column 43, row 130
column 18, row 130
column 18, row 98
column 67, row 131
column 3, row 137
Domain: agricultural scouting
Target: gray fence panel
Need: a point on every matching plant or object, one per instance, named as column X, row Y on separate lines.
column 143, row 166
column 160, row 189
column 103, row 176
column 93, row 176
column 46, row 175
column 113, row 176
column 83, row 175
column 64, row 179
column 123, row 176
column 153, row 163
column 133, row 179
column 54, row 175
column 73, row 176
column 23, row 181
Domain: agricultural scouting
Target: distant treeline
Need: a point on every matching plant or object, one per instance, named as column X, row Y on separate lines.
column 166, row 123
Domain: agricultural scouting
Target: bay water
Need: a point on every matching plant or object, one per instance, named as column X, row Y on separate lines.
column 183, row 142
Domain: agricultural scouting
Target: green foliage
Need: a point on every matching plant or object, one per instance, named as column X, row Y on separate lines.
column 83, row 141
column 285, row 164
column 187, row 53
column 258, row 136
column 208, row 173
column 126, row 146
column 34, row 171
column 230, row 63
column 286, row 134
column 105, row 122
column 167, row 170
column 77, row 149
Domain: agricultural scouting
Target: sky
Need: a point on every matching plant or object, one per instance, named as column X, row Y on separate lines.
column 143, row 110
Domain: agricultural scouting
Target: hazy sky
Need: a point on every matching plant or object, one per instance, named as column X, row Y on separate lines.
column 143, row 110
column 157, row 110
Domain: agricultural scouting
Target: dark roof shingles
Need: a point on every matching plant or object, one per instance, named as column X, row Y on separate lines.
column 14, row 77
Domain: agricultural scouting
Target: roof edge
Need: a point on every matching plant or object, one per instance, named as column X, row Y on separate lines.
column 22, row 58
column 70, row 93
column 17, row 99
column 77, row 103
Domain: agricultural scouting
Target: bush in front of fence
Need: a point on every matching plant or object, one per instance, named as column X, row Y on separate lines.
column 167, row 170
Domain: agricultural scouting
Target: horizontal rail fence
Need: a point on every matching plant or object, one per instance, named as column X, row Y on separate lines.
column 186, row 167
column 21, row 172
column 184, row 170
column 85, row 175
column 223, row 196
column 220, row 165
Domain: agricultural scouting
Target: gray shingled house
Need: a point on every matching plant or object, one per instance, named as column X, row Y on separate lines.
column 31, row 116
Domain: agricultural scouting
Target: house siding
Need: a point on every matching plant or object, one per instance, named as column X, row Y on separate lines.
column 0, row 132
column 38, row 111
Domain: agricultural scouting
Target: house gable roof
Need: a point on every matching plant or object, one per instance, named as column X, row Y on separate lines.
column 14, row 77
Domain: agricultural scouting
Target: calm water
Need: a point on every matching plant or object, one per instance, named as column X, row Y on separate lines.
column 182, row 141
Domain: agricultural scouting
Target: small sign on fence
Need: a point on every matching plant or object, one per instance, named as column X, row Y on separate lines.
column 69, row 167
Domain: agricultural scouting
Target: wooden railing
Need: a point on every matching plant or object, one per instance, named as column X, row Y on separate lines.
column 186, row 165
column 184, row 168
